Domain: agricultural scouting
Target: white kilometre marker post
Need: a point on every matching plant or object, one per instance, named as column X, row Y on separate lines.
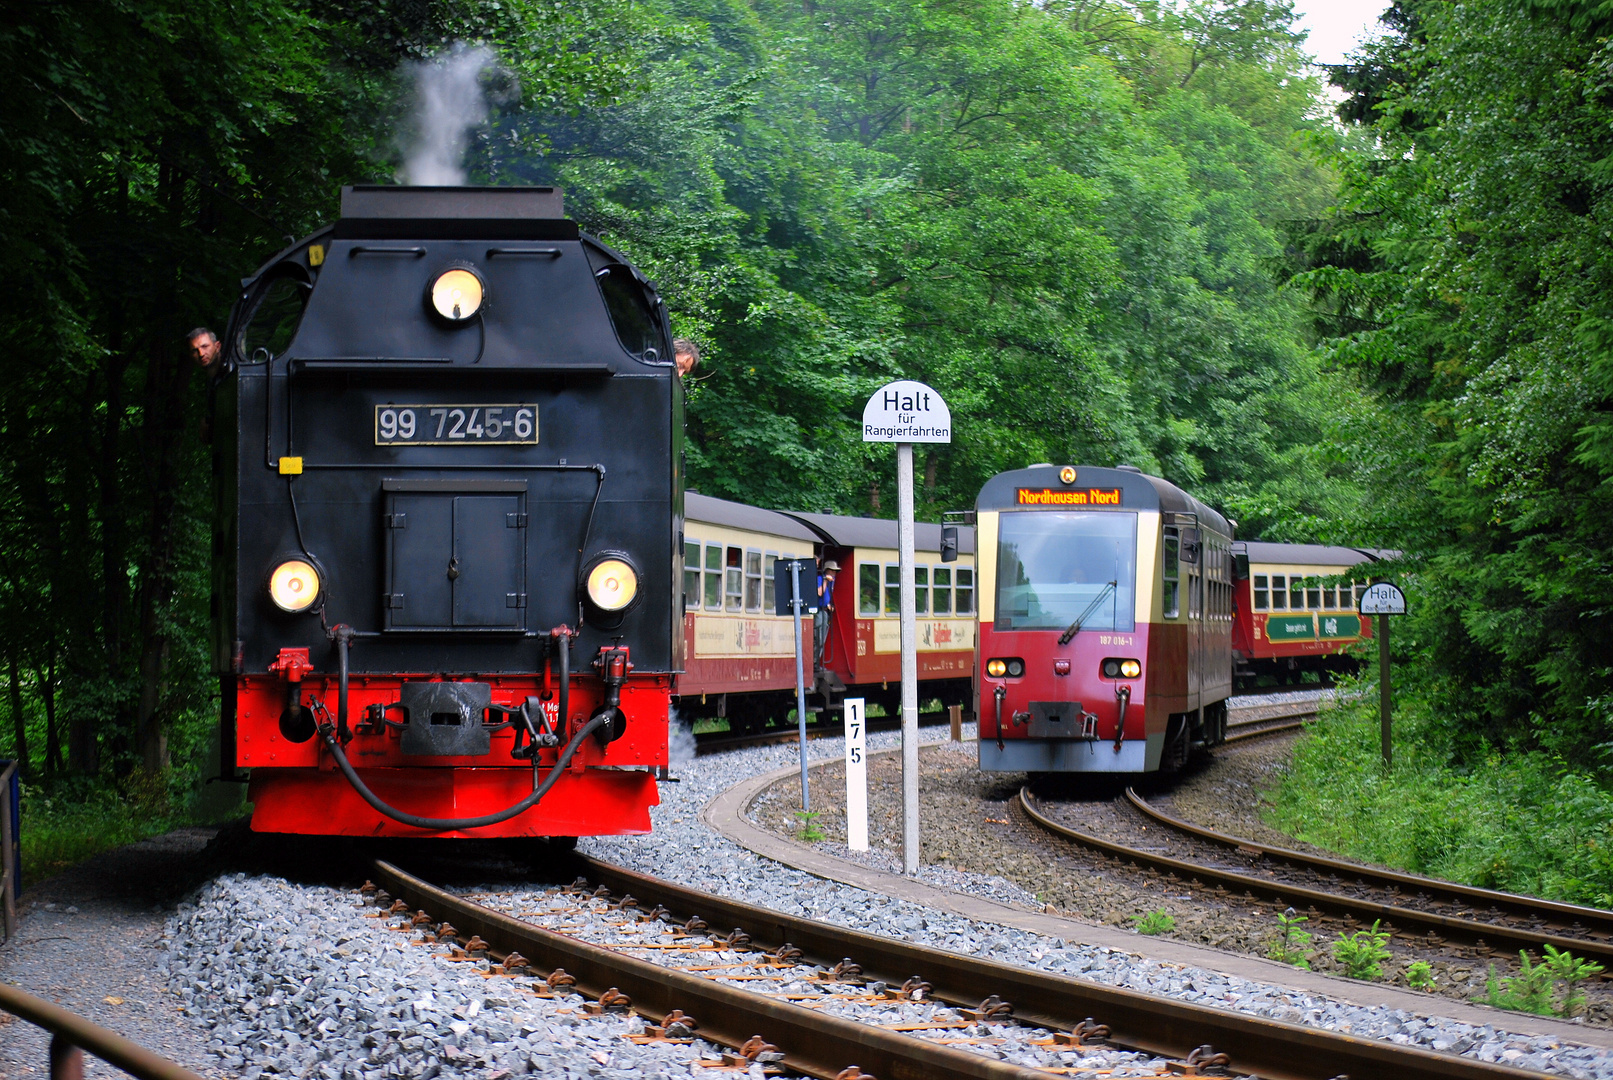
column 907, row 412
column 856, row 775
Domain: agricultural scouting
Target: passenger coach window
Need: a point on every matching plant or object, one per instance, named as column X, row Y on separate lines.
column 638, row 325
column 753, row 581
column 1296, row 594
column 868, row 588
column 1279, row 592
column 1313, row 594
column 713, row 596
column 1171, row 586
column 1058, row 568
column 734, row 582
column 1262, row 593
column 893, row 589
column 691, row 574
column 769, row 596
column 921, row 590
column 941, row 590
column 965, row 595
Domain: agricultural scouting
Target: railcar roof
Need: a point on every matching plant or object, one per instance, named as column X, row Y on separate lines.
column 1260, row 551
column 733, row 515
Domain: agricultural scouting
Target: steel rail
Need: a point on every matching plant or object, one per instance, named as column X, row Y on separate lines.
column 109, row 1046
column 813, row 1043
column 1593, row 920
column 1503, row 941
column 1255, row 729
column 1151, row 1024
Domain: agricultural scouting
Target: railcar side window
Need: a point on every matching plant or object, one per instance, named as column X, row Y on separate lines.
column 637, row 323
column 1279, row 592
column 753, row 580
column 714, row 575
column 1262, row 592
column 893, row 589
column 734, row 581
column 769, row 595
column 941, row 590
column 691, row 574
column 868, row 588
column 1171, row 587
column 921, row 590
column 965, row 594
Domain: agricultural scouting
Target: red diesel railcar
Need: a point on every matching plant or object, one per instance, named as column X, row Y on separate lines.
column 1105, row 616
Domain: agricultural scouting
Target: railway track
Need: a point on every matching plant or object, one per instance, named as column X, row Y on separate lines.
column 1189, row 1039
column 1420, row 912
column 1272, row 720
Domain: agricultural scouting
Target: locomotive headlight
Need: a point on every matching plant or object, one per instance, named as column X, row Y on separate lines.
column 612, row 584
column 456, row 294
column 294, row 585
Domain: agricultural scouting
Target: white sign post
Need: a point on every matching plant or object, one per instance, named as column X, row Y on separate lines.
column 856, row 776
column 906, row 412
column 1383, row 600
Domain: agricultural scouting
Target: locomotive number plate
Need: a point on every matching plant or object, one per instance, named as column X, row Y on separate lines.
column 455, row 425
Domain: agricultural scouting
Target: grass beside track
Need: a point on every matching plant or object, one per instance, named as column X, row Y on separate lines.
column 1522, row 822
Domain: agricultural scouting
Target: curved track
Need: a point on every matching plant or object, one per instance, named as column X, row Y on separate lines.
column 1441, row 915
column 825, row 1046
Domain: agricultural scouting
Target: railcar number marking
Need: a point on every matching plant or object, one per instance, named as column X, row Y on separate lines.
column 456, row 425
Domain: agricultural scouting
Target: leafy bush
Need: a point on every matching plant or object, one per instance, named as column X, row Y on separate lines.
column 1156, row 922
column 1362, row 953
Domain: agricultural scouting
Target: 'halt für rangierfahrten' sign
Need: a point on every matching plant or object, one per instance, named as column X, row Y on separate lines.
column 906, row 412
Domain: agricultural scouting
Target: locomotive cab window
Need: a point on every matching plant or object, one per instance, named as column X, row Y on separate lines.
column 634, row 316
column 274, row 321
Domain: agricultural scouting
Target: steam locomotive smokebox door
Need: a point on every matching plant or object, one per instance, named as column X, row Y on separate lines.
column 1055, row 719
column 445, row 718
column 455, row 554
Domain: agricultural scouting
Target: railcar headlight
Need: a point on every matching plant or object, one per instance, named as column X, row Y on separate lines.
column 996, row 668
column 1115, row 668
column 294, row 585
column 612, row 585
column 1011, row 666
column 456, row 294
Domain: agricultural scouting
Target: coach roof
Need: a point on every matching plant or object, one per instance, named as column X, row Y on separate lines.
column 733, row 515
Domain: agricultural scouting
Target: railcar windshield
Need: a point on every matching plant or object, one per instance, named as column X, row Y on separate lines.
column 1052, row 566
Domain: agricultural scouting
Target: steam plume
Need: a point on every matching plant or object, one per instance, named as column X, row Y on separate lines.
column 448, row 103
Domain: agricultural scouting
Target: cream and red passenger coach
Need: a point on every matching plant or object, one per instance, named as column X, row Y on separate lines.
column 739, row 657
column 1105, row 622
column 1295, row 608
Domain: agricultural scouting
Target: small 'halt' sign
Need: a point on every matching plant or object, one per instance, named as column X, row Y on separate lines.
column 1382, row 598
column 906, row 412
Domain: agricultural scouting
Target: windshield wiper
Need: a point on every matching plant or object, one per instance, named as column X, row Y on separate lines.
column 1075, row 627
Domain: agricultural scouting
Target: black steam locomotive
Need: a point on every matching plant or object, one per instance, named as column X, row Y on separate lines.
column 448, row 524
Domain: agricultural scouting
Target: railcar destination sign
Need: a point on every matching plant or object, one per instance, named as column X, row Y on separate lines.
column 906, row 412
column 1079, row 497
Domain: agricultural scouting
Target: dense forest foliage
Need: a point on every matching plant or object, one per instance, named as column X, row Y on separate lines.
column 1071, row 217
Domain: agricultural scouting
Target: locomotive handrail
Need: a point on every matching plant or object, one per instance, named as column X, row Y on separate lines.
column 72, row 1031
